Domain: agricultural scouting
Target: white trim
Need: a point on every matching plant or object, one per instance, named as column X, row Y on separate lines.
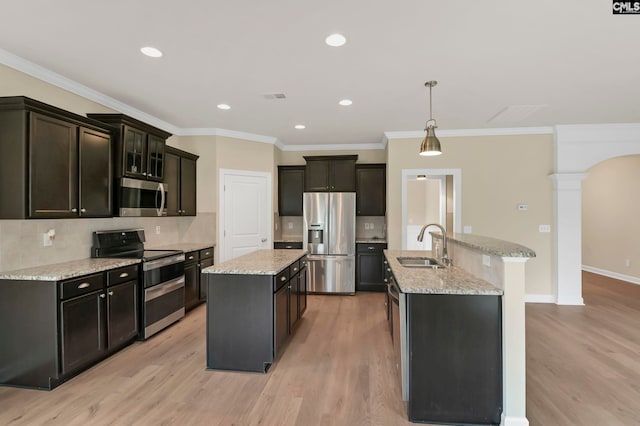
column 48, row 76
column 539, row 298
column 611, row 274
column 457, row 196
column 221, row 209
column 597, row 133
column 247, row 136
column 513, row 421
column 473, row 132
column 509, row 259
column 334, row 147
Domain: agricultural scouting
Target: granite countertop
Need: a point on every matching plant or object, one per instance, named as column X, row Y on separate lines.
column 371, row 241
column 260, row 262
column 66, row 270
column 185, row 247
column 288, row 240
column 489, row 245
column 450, row 280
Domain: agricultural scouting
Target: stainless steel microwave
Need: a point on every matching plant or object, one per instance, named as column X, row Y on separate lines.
column 142, row 198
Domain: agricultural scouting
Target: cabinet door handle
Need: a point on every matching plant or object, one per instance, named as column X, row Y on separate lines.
column 83, row 210
column 288, row 247
column 283, row 279
column 74, row 210
column 110, row 293
column 144, row 174
column 102, row 296
column 386, row 280
column 190, row 257
column 295, row 269
column 207, row 253
column 389, row 269
column 289, row 287
column 124, row 275
column 386, row 263
column 371, row 248
column 84, row 285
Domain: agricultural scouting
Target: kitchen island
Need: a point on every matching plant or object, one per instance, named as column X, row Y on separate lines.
column 254, row 303
column 446, row 329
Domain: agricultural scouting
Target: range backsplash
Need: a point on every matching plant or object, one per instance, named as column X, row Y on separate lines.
column 21, row 241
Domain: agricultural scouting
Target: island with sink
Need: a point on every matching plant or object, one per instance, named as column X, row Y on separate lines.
column 254, row 303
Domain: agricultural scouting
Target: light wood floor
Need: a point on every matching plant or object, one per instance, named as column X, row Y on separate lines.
column 583, row 368
column 583, row 362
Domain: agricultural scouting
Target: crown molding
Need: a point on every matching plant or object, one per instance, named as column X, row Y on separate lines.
column 48, row 76
column 473, row 132
column 334, row 147
column 597, row 133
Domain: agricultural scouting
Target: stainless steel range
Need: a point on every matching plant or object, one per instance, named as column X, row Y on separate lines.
column 161, row 295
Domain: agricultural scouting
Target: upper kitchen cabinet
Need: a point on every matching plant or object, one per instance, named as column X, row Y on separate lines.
column 53, row 163
column 371, row 189
column 330, row 173
column 290, row 190
column 140, row 148
column 180, row 180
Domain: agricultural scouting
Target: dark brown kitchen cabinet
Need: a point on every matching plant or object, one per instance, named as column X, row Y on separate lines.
column 195, row 289
column 281, row 318
column 371, row 190
column 140, row 147
column 330, row 173
column 370, row 269
column 65, row 326
column 290, row 190
column 180, row 178
column 53, row 163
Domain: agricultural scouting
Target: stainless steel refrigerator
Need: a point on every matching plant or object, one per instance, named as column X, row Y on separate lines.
column 329, row 236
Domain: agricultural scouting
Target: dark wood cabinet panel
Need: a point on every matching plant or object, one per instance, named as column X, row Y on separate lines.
column 302, row 289
column 180, row 177
column 330, row 173
column 53, row 148
column 82, row 331
column 370, row 267
column 290, row 190
column 191, row 281
column 155, row 157
column 53, row 163
column 294, row 300
column 281, row 317
column 204, row 263
column 134, row 152
column 371, row 189
column 289, row 245
column 95, row 174
column 122, row 314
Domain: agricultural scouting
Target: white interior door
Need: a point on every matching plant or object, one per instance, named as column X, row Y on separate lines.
column 245, row 212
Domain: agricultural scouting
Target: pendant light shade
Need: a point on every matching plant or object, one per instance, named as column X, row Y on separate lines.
column 430, row 145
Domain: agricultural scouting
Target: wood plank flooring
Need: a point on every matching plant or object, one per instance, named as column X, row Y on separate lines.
column 583, row 362
column 583, row 368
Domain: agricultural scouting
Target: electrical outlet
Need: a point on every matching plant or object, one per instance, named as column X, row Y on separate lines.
column 158, row 229
column 366, row 226
column 523, row 207
column 290, row 225
column 544, row 228
column 371, row 226
column 627, row 263
column 467, row 229
column 486, row 260
column 48, row 237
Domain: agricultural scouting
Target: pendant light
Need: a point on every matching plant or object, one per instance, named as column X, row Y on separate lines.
column 430, row 145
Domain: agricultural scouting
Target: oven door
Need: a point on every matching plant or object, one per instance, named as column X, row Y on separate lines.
column 162, row 270
column 142, row 198
column 163, row 305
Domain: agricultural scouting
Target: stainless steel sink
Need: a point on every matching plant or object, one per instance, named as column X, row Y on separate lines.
column 420, row 262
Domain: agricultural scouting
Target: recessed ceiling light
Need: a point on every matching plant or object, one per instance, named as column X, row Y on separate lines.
column 223, row 106
column 335, row 40
column 300, row 126
column 346, row 102
column 151, row 52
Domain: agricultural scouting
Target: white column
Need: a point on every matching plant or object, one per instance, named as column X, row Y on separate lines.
column 568, row 237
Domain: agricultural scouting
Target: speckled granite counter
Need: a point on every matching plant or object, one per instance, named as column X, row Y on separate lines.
column 260, row 262
column 371, row 241
column 488, row 245
column 451, row 280
column 185, row 247
column 66, row 270
column 288, row 240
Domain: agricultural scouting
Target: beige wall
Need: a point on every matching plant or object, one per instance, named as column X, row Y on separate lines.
column 423, row 201
column 610, row 209
column 498, row 172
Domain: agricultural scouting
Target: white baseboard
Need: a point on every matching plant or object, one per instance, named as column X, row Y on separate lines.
column 610, row 274
column 514, row 421
column 539, row 298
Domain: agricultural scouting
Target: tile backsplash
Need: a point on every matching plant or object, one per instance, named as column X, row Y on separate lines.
column 21, row 241
column 371, row 227
column 290, row 227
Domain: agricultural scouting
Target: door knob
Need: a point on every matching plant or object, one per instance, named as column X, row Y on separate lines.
column 264, row 240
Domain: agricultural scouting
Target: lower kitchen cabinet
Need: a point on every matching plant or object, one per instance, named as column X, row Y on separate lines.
column 370, row 269
column 195, row 289
column 288, row 245
column 66, row 326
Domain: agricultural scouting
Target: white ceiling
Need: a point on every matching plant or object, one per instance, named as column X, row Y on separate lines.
column 573, row 57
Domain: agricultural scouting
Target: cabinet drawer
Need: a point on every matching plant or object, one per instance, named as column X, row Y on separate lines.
column 192, row 256
column 294, row 268
column 205, row 253
column 122, row 275
column 375, row 248
column 288, row 245
column 281, row 279
column 82, row 285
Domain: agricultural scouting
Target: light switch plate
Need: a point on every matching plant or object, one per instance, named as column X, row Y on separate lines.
column 158, row 229
column 486, row 260
column 467, row 229
column 544, row 228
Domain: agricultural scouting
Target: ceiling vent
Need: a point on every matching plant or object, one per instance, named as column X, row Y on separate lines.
column 514, row 114
column 275, row 96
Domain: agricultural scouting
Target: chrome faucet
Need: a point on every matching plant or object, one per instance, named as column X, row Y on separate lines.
column 445, row 255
